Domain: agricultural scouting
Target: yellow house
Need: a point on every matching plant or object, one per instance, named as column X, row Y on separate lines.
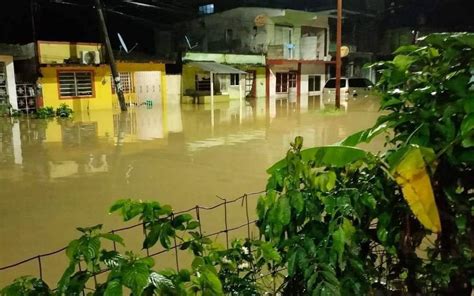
column 76, row 74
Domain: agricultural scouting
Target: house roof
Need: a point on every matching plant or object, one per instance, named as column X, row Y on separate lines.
column 217, row 68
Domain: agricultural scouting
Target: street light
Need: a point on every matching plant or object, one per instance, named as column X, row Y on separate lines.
column 338, row 53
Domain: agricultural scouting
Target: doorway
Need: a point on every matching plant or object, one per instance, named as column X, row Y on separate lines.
column 148, row 86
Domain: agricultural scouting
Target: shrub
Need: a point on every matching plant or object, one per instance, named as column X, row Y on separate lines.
column 64, row 111
column 45, row 112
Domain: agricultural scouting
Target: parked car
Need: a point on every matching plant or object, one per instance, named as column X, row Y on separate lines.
column 354, row 92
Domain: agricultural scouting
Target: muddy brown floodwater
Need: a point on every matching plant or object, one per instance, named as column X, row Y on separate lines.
column 56, row 175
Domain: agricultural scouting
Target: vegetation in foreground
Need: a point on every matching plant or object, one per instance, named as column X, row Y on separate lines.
column 335, row 220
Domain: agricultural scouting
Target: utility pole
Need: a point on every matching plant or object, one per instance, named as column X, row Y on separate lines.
column 110, row 55
column 338, row 53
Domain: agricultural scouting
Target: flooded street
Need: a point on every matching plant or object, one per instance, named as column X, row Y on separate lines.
column 56, row 175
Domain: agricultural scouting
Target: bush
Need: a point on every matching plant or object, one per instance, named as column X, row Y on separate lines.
column 45, row 112
column 64, row 111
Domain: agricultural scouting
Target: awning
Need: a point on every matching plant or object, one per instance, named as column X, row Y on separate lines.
column 216, row 68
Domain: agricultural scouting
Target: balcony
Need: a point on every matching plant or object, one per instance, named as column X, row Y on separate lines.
column 309, row 49
column 283, row 52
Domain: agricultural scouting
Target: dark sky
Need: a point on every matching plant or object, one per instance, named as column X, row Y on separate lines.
column 79, row 23
column 66, row 22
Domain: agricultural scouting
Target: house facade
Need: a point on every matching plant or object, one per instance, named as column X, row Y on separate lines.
column 295, row 45
column 235, row 76
column 76, row 74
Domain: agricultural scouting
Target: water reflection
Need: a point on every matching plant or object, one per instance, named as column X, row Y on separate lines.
column 56, row 175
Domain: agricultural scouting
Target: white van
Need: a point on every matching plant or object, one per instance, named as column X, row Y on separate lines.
column 357, row 90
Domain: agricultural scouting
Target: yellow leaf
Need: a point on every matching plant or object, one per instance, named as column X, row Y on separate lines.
column 412, row 176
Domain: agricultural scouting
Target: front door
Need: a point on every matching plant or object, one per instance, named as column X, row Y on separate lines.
column 148, row 86
column 251, row 84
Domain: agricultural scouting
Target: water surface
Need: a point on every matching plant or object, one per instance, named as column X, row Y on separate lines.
column 56, row 175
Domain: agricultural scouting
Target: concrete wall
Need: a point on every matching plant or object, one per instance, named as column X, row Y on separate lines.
column 11, row 85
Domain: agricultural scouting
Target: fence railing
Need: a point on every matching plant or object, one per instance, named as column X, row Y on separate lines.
column 197, row 211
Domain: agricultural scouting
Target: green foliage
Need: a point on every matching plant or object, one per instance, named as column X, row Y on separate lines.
column 45, row 112
column 26, row 286
column 434, row 98
column 5, row 109
column 64, row 111
column 319, row 208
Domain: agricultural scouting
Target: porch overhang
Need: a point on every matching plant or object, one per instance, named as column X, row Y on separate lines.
column 216, row 68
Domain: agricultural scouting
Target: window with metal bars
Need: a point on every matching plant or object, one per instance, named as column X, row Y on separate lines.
column 78, row 84
column 126, row 80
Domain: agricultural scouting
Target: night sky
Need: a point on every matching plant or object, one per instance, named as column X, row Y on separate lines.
column 56, row 21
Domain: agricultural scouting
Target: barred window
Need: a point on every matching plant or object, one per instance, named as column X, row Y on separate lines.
column 75, row 84
column 126, row 81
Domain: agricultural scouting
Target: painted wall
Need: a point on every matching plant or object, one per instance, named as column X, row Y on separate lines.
column 173, row 84
column 103, row 98
column 11, row 85
column 56, row 52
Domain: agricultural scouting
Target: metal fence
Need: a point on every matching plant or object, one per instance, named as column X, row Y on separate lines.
column 197, row 211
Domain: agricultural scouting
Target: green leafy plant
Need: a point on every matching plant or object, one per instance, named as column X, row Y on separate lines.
column 45, row 112
column 349, row 222
column 27, row 286
column 64, row 111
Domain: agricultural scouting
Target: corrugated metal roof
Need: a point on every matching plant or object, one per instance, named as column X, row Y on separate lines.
column 217, row 68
